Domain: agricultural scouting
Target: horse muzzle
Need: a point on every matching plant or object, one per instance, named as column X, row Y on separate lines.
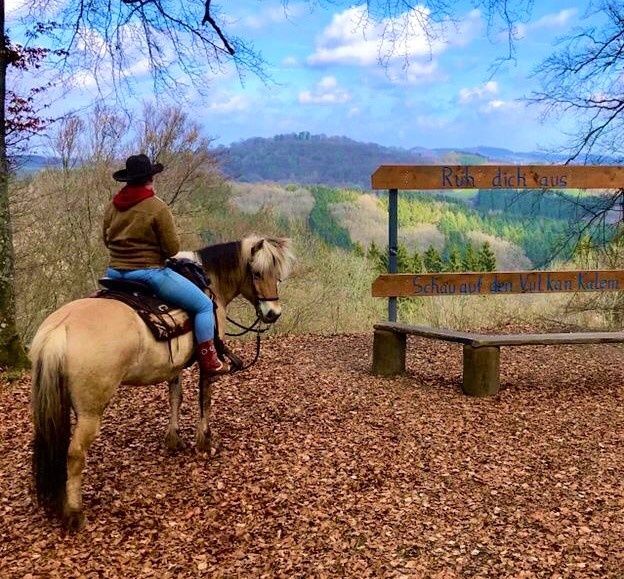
column 269, row 311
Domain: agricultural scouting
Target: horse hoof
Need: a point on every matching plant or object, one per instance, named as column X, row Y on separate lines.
column 173, row 441
column 203, row 443
column 208, row 444
column 74, row 521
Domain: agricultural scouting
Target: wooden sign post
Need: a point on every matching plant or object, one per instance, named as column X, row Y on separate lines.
column 440, row 177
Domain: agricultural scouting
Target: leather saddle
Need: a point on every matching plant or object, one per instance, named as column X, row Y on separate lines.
column 164, row 320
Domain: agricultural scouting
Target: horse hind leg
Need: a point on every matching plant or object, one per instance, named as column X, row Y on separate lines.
column 86, row 430
column 172, row 439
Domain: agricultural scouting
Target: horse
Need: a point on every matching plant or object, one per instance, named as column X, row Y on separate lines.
column 86, row 349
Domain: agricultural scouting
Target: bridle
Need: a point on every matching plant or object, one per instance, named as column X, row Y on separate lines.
column 256, row 327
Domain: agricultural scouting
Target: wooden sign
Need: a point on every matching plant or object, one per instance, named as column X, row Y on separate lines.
column 496, row 283
column 498, row 177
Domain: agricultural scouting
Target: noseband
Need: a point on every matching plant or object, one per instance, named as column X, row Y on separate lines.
column 257, row 297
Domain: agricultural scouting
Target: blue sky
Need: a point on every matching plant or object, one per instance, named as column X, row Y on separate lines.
column 325, row 78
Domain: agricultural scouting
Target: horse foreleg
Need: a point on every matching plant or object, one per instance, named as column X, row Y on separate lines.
column 204, row 437
column 172, row 438
column 87, row 428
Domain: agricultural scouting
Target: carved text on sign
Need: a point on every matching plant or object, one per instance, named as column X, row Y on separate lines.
column 521, row 282
column 502, row 179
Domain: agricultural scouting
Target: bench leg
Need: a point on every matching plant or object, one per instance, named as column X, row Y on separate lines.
column 388, row 353
column 481, row 370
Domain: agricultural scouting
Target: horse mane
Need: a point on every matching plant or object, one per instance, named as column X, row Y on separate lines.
column 269, row 254
column 264, row 254
column 223, row 257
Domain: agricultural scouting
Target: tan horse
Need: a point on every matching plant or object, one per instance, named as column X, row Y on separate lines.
column 83, row 352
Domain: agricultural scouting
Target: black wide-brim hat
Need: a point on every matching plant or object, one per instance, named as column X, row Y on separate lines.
column 137, row 167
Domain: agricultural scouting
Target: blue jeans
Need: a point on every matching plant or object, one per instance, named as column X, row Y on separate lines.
column 177, row 290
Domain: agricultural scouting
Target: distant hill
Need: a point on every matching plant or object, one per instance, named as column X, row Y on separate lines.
column 339, row 161
column 26, row 164
column 304, row 158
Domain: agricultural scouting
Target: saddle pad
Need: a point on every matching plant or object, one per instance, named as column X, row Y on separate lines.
column 164, row 321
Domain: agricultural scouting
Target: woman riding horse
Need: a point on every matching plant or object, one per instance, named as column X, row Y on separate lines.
column 86, row 349
column 140, row 235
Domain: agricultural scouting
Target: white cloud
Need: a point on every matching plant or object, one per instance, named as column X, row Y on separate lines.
column 496, row 105
column 273, row 14
column 83, row 79
column 328, row 82
column 232, row 103
column 326, row 92
column 290, row 61
column 553, row 20
column 407, row 45
column 353, row 37
column 16, row 9
column 486, row 90
column 414, row 73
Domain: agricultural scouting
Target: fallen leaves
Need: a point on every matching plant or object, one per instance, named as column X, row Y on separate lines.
column 327, row 471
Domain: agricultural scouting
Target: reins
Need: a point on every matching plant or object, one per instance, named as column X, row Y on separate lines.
column 255, row 328
column 247, row 329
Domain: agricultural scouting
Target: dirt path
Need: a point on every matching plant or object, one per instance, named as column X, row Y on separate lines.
column 326, row 471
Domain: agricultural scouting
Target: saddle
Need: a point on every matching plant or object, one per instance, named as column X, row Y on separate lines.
column 164, row 320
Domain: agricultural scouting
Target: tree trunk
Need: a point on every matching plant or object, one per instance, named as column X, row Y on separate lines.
column 12, row 354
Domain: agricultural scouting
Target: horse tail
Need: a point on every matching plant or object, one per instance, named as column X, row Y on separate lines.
column 51, row 417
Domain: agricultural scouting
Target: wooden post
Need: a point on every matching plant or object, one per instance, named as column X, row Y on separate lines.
column 481, row 371
column 388, row 353
column 393, row 242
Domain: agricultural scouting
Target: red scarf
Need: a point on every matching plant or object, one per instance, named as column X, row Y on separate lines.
column 130, row 195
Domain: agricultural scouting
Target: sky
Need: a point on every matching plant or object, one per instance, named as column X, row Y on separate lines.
column 325, row 77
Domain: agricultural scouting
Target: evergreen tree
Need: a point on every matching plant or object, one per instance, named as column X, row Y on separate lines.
column 373, row 252
column 378, row 259
column 470, row 260
column 486, row 257
column 432, row 260
column 583, row 250
column 454, row 261
column 417, row 263
column 403, row 259
column 382, row 261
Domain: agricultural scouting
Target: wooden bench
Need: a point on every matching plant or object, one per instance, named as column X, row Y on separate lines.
column 482, row 351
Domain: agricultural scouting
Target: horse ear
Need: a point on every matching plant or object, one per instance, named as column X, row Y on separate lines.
column 257, row 247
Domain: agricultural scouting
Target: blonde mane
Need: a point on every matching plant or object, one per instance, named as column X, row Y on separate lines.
column 275, row 255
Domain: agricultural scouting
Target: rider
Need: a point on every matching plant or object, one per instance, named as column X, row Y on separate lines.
column 140, row 235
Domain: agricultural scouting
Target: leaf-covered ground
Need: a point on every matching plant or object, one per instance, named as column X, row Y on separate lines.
column 327, row 471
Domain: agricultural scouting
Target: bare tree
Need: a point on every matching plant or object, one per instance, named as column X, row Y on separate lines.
column 583, row 80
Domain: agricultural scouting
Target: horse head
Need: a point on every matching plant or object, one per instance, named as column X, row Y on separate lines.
column 252, row 267
column 268, row 262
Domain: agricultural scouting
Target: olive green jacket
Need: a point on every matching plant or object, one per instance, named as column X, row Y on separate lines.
column 142, row 236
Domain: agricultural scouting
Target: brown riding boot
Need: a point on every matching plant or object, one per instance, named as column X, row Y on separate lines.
column 209, row 362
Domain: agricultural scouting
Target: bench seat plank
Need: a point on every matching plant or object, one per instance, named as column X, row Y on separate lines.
column 477, row 340
column 427, row 332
